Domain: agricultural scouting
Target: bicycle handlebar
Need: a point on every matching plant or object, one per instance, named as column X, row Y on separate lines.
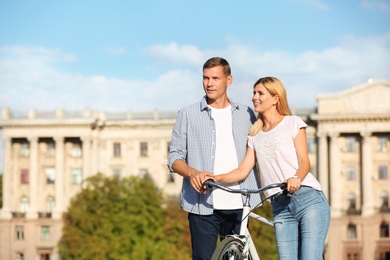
column 210, row 183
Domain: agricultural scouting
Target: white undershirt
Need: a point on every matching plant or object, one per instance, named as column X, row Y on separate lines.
column 225, row 158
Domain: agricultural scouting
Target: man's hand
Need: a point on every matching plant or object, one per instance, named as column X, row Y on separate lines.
column 197, row 179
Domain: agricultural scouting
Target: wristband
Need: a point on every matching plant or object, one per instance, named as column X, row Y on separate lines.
column 295, row 177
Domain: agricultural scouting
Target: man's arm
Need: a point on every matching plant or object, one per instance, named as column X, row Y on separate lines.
column 196, row 177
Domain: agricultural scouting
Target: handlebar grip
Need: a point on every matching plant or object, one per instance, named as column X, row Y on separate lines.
column 206, row 183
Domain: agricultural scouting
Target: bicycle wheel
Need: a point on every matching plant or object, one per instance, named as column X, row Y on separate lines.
column 229, row 249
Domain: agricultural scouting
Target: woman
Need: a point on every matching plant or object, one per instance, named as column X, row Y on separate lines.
column 278, row 142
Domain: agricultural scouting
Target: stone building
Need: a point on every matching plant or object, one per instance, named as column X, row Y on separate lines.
column 47, row 155
column 353, row 161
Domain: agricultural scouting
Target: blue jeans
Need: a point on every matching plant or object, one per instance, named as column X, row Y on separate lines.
column 301, row 225
column 205, row 229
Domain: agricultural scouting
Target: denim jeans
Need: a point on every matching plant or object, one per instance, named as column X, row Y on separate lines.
column 301, row 225
column 205, row 229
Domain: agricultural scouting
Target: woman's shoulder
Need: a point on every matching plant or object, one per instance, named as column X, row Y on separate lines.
column 294, row 122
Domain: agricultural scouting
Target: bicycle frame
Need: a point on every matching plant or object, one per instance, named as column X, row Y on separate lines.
column 244, row 236
column 244, row 231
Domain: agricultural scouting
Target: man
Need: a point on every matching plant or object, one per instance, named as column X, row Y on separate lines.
column 211, row 136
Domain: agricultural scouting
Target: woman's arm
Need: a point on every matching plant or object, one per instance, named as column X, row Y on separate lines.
column 300, row 143
column 241, row 172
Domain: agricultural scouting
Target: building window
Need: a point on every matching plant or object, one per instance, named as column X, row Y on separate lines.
column 352, row 210
column 117, row 150
column 382, row 143
column 311, row 145
column 19, row 256
column 44, row 256
column 384, row 229
column 50, row 204
column 353, row 255
column 25, row 149
column 143, row 172
column 24, row 176
column 350, row 145
column 384, row 255
column 351, row 173
column 50, row 175
column 116, row 173
column 19, row 230
column 351, row 234
column 144, row 149
column 77, row 176
column 385, row 201
column 382, row 172
column 51, row 150
column 24, row 204
column 45, row 232
column 171, row 177
column 75, row 151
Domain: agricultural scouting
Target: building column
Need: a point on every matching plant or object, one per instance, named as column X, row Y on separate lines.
column 95, row 152
column 7, row 179
column 323, row 163
column 335, row 172
column 367, row 174
column 86, row 146
column 59, row 181
column 32, row 212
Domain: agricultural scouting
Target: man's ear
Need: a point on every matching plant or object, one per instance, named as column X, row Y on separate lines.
column 229, row 80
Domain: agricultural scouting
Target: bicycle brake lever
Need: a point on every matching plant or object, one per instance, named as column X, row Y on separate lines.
column 292, row 196
column 286, row 193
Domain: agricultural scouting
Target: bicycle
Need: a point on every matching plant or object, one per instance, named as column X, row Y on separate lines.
column 240, row 246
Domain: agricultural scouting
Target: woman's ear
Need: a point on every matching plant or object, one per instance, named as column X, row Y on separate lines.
column 276, row 100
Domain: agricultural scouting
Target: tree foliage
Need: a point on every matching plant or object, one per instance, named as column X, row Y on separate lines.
column 176, row 231
column 128, row 218
column 119, row 219
column 263, row 235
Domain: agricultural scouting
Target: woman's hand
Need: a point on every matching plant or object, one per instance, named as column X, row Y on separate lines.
column 293, row 183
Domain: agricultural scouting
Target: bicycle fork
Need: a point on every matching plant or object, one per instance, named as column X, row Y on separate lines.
column 245, row 236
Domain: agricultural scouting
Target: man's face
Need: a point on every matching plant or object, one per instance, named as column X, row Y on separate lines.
column 215, row 83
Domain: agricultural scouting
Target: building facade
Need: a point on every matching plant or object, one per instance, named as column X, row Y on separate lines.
column 353, row 162
column 48, row 155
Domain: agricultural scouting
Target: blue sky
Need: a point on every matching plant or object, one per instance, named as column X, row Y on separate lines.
column 145, row 55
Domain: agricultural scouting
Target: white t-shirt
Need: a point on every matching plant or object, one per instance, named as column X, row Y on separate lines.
column 225, row 158
column 276, row 154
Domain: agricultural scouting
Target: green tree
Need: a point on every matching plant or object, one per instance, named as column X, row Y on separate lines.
column 263, row 235
column 176, row 231
column 114, row 219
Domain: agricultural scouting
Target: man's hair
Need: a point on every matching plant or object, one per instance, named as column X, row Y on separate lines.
column 218, row 61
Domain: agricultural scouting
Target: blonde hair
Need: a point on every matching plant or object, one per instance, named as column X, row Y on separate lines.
column 275, row 87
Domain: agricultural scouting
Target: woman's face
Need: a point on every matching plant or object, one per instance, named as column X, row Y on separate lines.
column 262, row 99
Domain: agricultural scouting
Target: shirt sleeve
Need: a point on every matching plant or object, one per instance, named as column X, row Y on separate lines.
column 250, row 142
column 297, row 124
column 177, row 146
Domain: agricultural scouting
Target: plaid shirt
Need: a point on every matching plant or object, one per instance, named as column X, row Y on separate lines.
column 193, row 140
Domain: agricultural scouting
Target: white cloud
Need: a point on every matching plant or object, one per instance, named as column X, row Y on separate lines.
column 30, row 79
column 116, row 51
column 185, row 54
column 381, row 5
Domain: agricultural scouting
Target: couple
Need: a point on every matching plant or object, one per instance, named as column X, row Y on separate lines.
column 210, row 139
